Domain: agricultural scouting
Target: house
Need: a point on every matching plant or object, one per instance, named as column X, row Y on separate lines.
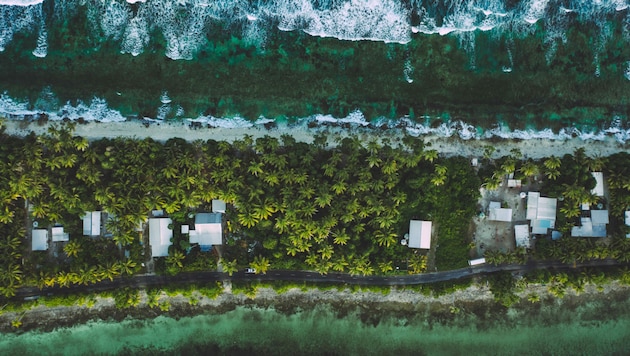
column 218, row 206
column 92, row 223
column 599, row 184
column 627, row 220
column 496, row 213
column 521, row 235
column 541, row 211
column 593, row 225
column 475, row 262
column 39, row 240
column 514, row 183
column 208, row 230
column 58, row 235
column 420, row 234
column 160, row 236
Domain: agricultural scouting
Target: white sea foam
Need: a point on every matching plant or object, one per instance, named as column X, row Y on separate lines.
column 184, row 24
column 98, row 110
column 227, row 123
column 136, row 37
column 20, row 2
column 42, row 44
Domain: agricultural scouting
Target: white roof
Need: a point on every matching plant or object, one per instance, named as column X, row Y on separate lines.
column 160, row 236
column 513, row 183
column 521, row 235
column 58, row 234
column 541, row 208
column 420, row 234
column 500, row 215
column 599, row 217
column 208, row 229
column 40, row 240
column 92, row 223
column 599, row 184
column 478, row 261
column 547, row 208
column 218, row 206
column 532, row 205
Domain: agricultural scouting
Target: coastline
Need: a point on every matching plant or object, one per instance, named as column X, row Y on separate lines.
column 370, row 307
column 535, row 148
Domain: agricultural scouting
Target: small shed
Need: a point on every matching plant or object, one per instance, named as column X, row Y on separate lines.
column 514, row 183
column 39, row 240
column 58, row 235
column 92, row 223
column 218, row 206
column 521, row 235
column 599, row 184
column 420, row 234
column 478, row 261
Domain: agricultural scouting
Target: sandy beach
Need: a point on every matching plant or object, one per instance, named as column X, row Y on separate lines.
column 446, row 146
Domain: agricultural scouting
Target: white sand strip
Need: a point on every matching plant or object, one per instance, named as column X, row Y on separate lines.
column 447, row 146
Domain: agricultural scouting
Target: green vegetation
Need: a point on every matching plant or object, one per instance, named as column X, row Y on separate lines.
column 342, row 208
column 291, row 205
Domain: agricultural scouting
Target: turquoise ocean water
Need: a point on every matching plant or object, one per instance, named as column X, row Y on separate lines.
column 597, row 327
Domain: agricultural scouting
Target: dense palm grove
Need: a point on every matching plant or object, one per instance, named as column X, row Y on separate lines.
column 338, row 204
column 291, row 204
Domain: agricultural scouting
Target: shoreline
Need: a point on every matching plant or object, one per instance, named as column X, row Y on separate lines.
column 370, row 307
column 534, row 148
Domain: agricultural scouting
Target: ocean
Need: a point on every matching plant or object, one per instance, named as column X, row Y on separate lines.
column 472, row 68
column 585, row 325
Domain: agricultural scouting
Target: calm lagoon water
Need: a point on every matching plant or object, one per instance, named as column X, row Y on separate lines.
column 554, row 329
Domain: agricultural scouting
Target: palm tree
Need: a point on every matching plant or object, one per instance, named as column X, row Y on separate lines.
column 11, row 274
column 529, row 169
column 552, row 174
column 341, row 237
column 385, row 266
column 127, row 267
column 552, row 163
column 261, row 264
column 109, row 271
column 430, row 155
column 570, row 210
column 255, row 168
column 247, row 220
column 73, row 248
column 385, row 239
column 229, row 267
column 176, row 260
column 533, row 298
column 417, row 263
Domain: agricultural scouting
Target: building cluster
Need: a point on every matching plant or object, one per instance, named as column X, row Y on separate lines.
column 207, row 230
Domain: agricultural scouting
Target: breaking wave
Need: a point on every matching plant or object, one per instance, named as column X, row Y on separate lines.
column 186, row 25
